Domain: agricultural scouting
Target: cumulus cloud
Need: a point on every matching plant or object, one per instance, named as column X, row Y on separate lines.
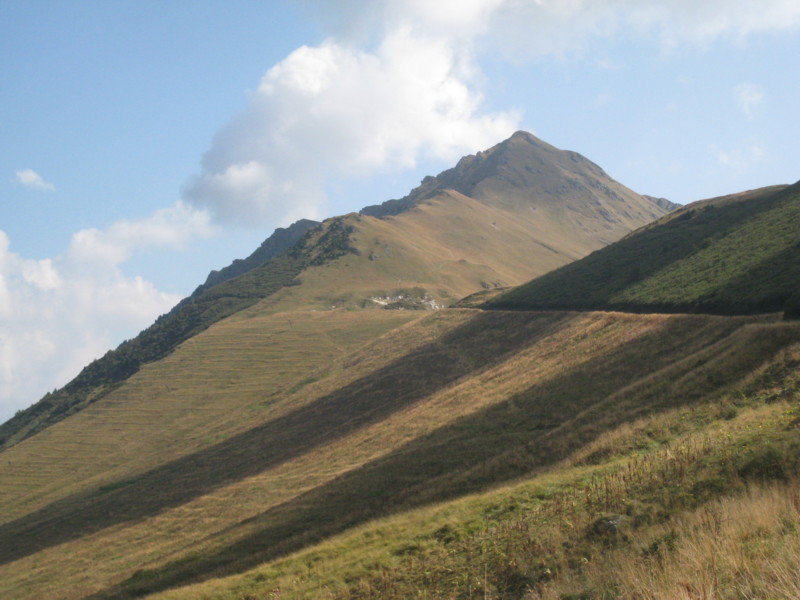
column 337, row 111
column 748, row 97
column 30, row 178
column 57, row 314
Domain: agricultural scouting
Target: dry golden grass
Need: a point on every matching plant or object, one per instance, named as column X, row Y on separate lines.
column 744, row 547
column 451, row 246
column 216, row 385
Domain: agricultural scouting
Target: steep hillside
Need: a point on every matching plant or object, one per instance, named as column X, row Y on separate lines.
column 700, row 501
column 316, row 391
column 732, row 255
column 534, row 208
column 191, row 316
column 450, row 404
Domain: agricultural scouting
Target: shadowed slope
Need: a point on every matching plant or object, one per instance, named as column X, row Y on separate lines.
column 368, row 400
column 733, row 255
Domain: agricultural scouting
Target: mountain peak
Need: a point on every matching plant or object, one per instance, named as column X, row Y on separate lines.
column 524, row 170
column 466, row 175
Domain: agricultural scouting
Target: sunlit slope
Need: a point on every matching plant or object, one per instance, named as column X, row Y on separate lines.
column 451, row 404
column 732, row 255
column 701, row 498
column 444, row 247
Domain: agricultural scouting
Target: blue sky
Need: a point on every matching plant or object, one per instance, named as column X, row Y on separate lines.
column 145, row 143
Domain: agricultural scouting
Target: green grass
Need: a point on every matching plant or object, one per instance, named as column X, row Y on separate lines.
column 738, row 255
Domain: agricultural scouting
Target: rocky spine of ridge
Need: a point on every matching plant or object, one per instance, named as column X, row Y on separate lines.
column 280, row 241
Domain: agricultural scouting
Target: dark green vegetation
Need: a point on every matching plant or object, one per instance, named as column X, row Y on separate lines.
column 732, row 255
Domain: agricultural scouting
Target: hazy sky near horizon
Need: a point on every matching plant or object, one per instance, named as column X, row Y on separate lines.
column 146, row 143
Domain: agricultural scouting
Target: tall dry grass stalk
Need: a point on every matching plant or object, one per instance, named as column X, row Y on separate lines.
column 744, row 548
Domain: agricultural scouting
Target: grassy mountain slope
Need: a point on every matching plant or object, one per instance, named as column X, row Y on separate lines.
column 732, row 255
column 191, row 316
column 697, row 501
column 441, row 246
column 476, row 399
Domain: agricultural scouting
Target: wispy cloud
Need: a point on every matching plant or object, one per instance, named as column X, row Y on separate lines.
column 30, row 178
column 749, row 97
column 739, row 158
column 606, row 64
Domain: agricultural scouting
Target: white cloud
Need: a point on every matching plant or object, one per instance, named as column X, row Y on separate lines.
column 57, row 314
column 30, row 178
column 337, row 111
column 749, row 97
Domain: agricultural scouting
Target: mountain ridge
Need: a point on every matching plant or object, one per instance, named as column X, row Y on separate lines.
column 276, row 244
